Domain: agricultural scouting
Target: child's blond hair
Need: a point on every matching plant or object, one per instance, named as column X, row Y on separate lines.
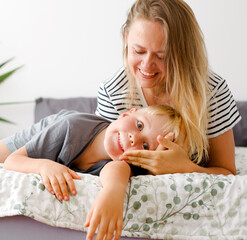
column 174, row 119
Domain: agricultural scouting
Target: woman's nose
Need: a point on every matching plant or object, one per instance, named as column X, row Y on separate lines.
column 147, row 61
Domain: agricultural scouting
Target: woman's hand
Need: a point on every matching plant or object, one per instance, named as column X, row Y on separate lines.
column 106, row 214
column 57, row 178
column 169, row 157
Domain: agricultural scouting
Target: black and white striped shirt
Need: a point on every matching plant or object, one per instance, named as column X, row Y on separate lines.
column 223, row 112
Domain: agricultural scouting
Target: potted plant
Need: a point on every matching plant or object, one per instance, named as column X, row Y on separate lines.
column 3, row 77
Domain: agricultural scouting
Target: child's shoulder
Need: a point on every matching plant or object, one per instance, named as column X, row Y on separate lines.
column 83, row 117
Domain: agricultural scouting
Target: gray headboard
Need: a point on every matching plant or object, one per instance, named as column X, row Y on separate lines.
column 240, row 130
column 48, row 106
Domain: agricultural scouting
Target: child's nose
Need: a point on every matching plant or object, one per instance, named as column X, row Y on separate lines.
column 133, row 137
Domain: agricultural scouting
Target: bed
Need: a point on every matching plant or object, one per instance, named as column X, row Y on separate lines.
column 172, row 206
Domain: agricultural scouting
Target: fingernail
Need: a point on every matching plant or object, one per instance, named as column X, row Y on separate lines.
column 160, row 137
column 73, row 192
column 60, row 197
column 169, row 135
column 66, row 198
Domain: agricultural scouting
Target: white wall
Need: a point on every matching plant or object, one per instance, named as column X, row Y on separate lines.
column 224, row 24
column 69, row 47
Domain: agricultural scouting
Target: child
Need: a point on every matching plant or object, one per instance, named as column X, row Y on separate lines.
column 88, row 144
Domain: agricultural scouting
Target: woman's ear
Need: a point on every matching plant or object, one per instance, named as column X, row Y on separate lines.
column 132, row 110
column 125, row 40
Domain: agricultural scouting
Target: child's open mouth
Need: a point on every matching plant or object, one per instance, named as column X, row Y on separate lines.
column 119, row 142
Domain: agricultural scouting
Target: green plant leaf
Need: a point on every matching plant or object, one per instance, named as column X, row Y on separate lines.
column 4, row 63
column 7, row 74
column 11, row 103
column 4, row 77
column 5, row 120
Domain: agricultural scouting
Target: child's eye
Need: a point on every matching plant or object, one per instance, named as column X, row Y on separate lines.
column 139, row 125
column 145, row 146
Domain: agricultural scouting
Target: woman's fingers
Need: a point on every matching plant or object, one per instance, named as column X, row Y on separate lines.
column 136, row 160
column 132, row 161
column 139, row 155
column 153, row 161
column 160, row 147
column 145, row 161
column 163, row 141
column 139, row 158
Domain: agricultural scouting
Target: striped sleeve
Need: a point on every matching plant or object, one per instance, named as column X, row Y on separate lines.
column 223, row 112
column 111, row 96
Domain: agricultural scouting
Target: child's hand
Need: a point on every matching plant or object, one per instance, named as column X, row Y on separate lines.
column 57, row 178
column 106, row 214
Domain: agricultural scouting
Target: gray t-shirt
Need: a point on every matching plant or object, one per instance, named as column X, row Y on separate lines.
column 19, row 139
column 66, row 138
column 62, row 137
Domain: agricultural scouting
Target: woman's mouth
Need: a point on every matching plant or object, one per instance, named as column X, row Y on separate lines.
column 119, row 143
column 147, row 74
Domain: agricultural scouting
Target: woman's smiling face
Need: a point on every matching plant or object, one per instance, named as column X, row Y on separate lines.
column 134, row 130
column 145, row 42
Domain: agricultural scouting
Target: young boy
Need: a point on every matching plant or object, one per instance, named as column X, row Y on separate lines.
column 88, row 144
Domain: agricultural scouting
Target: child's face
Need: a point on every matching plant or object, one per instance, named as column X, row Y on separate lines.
column 134, row 130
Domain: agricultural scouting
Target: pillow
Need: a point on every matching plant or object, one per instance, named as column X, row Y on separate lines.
column 47, row 106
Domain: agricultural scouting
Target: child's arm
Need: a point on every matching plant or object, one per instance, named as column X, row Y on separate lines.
column 107, row 210
column 4, row 152
column 56, row 177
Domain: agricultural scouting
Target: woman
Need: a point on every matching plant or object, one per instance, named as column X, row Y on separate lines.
column 166, row 63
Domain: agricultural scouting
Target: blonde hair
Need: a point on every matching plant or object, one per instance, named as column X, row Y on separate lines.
column 173, row 121
column 186, row 63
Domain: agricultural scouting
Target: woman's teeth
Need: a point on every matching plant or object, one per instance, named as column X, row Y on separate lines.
column 147, row 74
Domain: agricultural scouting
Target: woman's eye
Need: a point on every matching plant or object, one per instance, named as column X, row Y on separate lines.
column 139, row 125
column 139, row 52
column 145, row 146
column 160, row 58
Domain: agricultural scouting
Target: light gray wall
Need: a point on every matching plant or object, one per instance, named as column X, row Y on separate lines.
column 69, row 47
column 224, row 24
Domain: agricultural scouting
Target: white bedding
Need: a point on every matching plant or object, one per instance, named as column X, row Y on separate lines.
column 173, row 206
